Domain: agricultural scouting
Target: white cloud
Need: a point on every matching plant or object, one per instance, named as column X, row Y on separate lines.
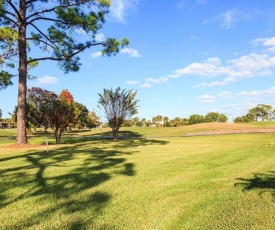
column 131, row 52
column 259, row 41
column 251, row 65
column 132, row 82
column 119, row 8
column 210, row 67
column 226, row 94
column 47, row 80
column 269, row 42
column 146, row 85
column 200, row 85
column 228, row 19
column 264, row 93
column 96, row 54
column 157, row 80
column 100, row 37
column 152, row 80
column 206, row 98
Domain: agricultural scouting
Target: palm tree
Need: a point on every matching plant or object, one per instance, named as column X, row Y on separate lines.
column 165, row 120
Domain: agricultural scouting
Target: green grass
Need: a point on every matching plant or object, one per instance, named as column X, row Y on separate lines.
column 150, row 182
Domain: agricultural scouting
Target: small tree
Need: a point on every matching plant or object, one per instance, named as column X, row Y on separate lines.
column 223, row 118
column 117, row 105
column 196, row 119
column 42, row 100
column 212, row 117
column 93, row 120
column 158, row 119
column 165, row 120
column 60, row 118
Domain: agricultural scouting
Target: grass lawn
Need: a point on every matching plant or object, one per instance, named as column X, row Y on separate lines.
column 157, row 181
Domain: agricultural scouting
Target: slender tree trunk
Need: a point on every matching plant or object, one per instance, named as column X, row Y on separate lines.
column 114, row 130
column 22, row 86
column 57, row 139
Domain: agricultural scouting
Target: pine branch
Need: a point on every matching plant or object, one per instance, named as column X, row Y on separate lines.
column 47, row 19
column 44, row 35
column 42, row 41
column 67, row 56
column 15, row 10
column 54, row 8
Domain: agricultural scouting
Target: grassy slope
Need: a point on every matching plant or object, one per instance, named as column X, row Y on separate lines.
column 146, row 183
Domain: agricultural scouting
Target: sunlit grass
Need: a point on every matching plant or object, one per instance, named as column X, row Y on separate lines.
column 207, row 182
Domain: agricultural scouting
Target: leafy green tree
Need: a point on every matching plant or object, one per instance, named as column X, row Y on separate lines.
column 93, row 120
column 61, row 116
column 127, row 123
column 143, row 120
column 238, row 120
column 135, row 120
column 176, row 122
column 139, row 124
column 118, row 105
column 81, row 115
column 222, row 118
column 185, row 121
column 62, row 21
column 8, row 47
column 165, row 120
column 0, row 113
column 148, row 123
column 158, row 119
column 212, row 117
column 272, row 115
column 43, row 100
column 249, row 117
column 196, row 119
column 261, row 111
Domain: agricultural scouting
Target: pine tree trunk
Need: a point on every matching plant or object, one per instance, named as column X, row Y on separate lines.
column 22, row 86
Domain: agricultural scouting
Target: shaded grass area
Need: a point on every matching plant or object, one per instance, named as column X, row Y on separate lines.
column 262, row 182
column 54, row 190
column 143, row 183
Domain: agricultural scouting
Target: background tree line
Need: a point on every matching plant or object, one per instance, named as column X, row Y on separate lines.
column 177, row 121
column 260, row 112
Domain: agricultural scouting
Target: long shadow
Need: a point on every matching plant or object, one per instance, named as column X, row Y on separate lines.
column 263, row 182
column 122, row 134
column 64, row 174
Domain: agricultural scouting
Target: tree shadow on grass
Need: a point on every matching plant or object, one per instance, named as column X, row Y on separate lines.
column 122, row 134
column 263, row 182
column 66, row 180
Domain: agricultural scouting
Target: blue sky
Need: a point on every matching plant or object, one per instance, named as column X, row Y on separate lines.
column 185, row 57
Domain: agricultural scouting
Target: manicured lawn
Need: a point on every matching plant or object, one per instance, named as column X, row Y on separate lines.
column 150, row 182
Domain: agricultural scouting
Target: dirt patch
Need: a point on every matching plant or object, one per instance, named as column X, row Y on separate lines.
column 232, row 131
